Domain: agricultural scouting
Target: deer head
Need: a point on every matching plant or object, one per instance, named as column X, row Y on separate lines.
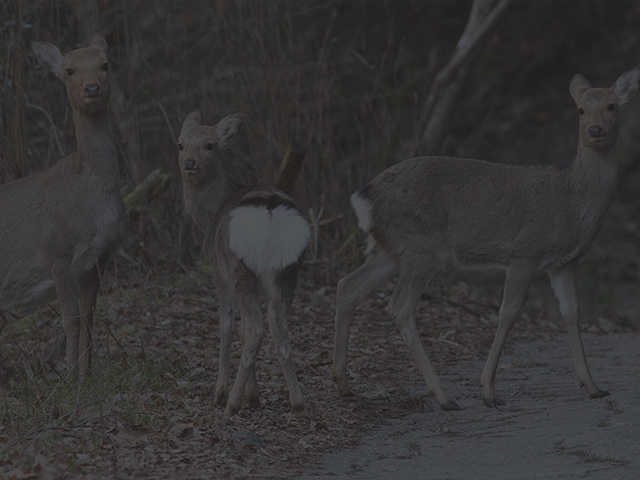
column 598, row 107
column 85, row 72
column 200, row 146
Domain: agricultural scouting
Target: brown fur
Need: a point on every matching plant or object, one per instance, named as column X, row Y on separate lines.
column 60, row 225
column 424, row 212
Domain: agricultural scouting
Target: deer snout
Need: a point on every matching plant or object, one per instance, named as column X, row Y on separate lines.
column 596, row 131
column 92, row 91
column 189, row 164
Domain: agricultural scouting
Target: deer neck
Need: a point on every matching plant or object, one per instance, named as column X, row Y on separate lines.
column 96, row 151
column 594, row 181
column 595, row 169
column 206, row 203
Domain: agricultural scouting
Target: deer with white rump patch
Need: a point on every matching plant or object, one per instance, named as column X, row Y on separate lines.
column 254, row 237
column 59, row 226
column 426, row 211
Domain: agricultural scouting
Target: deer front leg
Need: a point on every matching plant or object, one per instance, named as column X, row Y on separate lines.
column 564, row 285
column 402, row 307
column 516, row 285
column 68, row 296
column 378, row 269
column 89, row 286
column 227, row 325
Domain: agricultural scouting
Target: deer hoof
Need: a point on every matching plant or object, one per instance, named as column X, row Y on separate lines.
column 450, row 406
column 220, row 399
column 600, row 394
column 343, row 389
column 300, row 411
column 493, row 402
column 230, row 412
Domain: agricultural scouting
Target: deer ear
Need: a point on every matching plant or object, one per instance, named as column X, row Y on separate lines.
column 627, row 85
column 192, row 120
column 49, row 56
column 99, row 42
column 228, row 128
column 578, row 86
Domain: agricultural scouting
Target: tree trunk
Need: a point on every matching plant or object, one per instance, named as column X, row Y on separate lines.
column 446, row 87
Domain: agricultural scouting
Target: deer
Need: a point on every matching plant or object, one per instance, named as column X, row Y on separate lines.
column 425, row 212
column 61, row 224
column 254, row 239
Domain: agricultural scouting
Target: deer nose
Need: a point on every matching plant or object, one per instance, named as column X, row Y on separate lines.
column 92, row 90
column 189, row 164
column 595, row 131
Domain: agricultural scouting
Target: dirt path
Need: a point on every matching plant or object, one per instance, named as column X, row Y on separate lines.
column 549, row 429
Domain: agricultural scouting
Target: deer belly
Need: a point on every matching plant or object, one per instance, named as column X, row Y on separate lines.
column 25, row 286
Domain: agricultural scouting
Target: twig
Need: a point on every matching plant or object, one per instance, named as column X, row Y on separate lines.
column 166, row 118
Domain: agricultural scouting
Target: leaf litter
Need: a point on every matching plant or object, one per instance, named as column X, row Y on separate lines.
column 163, row 423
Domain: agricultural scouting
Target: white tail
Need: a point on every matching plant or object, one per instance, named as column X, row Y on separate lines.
column 424, row 212
column 60, row 225
column 253, row 237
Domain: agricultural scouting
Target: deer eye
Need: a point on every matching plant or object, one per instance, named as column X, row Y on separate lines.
column 70, row 71
column 105, row 67
column 611, row 107
column 209, row 146
column 180, row 146
column 580, row 111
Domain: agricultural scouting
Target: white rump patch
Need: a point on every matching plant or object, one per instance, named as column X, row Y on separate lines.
column 362, row 207
column 268, row 240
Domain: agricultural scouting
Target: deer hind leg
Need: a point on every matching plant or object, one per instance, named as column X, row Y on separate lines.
column 88, row 288
column 379, row 268
column 519, row 276
column 251, row 389
column 227, row 326
column 564, row 285
column 402, row 308
column 281, row 297
column 247, row 302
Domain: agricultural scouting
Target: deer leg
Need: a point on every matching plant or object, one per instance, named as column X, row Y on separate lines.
column 227, row 325
column 68, row 296
column 88, row 288
column 251, row 389
column 276, row 317
column 379, row 268
column 517, row 283
column 402, row 307
column 564, row 285
column 247, row 301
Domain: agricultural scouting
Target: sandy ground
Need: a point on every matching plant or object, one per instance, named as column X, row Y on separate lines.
column 550, row 428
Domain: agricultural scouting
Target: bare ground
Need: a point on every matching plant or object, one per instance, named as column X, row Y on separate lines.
column 171, row 429
column 549, row 429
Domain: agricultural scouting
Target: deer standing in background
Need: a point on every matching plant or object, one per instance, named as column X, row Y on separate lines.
column 423, row 212
column 60, row 225
column 254, row 237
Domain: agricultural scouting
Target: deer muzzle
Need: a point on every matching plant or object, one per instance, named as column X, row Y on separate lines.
column 596, row 131
column 92, row 91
